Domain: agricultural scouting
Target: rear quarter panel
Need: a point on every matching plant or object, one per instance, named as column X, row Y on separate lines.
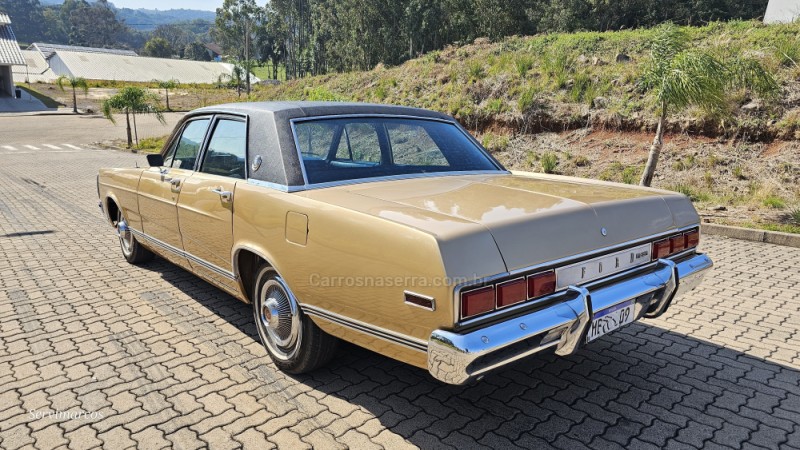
column 353, row 264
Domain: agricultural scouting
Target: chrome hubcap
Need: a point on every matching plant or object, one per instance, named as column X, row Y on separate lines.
column 125, row 235
column 278, row 319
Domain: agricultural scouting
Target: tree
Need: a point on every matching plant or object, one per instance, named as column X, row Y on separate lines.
column 236, row 25
column 75, row 83
column 166, row 85
column 196, row 51
column 132, row 100
column 678, row 75
column 158, row 48
column 176, row 36
column 27, row 18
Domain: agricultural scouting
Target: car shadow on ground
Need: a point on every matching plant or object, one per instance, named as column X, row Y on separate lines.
column 640, row 386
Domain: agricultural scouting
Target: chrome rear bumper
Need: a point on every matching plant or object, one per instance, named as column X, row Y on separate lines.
column 457, row 358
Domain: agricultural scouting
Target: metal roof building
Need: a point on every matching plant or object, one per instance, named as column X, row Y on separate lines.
column 9, row 55
column 35, row 70
column 48, row 50
column 46, row 62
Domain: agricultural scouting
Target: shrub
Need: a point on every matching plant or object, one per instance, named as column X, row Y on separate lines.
column 772, row 201
column 475, row 70
column 582, row 161
column 795, row 215
column 549, row 162
column 523, row 64
column 631, row 174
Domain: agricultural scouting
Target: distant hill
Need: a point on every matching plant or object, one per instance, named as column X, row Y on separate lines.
column 149, row 19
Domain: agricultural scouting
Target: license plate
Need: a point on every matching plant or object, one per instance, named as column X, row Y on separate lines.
column 610, row 319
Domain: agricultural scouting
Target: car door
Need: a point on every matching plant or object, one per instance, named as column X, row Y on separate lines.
column 205, row 205
column 160, row 187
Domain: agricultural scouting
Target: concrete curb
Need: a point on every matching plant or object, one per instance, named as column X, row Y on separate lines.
column 750, row 234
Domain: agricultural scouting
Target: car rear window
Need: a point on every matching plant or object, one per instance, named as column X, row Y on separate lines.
column 358, row 147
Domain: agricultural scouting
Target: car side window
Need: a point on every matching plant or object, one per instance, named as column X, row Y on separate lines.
column 226, row 150
column 189, row 144
column 359, row 143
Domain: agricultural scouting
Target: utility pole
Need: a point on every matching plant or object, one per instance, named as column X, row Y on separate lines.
column 247, row 53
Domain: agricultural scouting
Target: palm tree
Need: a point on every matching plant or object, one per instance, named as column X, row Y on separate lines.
column 166, row 86
column 678, row 76
column 74, row 82
column 132, row 100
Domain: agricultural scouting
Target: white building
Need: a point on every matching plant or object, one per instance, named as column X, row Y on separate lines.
column 115, row 65
column 9, row 56
column 781, row 11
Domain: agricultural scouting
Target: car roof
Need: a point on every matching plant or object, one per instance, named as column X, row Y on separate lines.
column 295, row 109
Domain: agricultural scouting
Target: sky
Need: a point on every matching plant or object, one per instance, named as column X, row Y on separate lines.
column 208, row 5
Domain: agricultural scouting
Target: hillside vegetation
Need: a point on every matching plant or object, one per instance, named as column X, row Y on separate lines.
column 564, row 81
column 558, row 102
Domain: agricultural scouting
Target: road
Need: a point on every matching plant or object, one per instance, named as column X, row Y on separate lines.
column 153, row 357
column 76, row 129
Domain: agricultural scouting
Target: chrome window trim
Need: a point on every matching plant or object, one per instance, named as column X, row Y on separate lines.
column 215, row 119
column 372, row 330
column 309, row 186
column 475, row 284
column 330, row 184
column 275, row 186
column 184, row 254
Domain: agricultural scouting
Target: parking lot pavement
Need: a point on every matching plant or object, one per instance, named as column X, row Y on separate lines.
column 95, row 352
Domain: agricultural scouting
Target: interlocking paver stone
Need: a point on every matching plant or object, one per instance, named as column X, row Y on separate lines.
column 170, row 361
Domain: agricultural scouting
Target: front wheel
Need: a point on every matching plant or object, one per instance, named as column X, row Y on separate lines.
column 295, row 343
column 132, row 250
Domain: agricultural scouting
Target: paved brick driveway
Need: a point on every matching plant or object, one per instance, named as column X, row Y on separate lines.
column 163, row 359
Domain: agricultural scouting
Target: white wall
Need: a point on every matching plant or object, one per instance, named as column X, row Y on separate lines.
column 782, row 11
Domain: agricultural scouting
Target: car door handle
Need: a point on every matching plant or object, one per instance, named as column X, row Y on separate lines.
column 224, row 195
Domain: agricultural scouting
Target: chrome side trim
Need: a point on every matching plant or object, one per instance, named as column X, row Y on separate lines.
column 216, row 269
column 357, row 325
column 551, row 265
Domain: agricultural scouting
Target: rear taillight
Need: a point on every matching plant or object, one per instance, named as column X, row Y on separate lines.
column 477, row 301
column 675, row 244
column 541, row 284
column 507, row 293
column 692, row 238
column 661, row 249
column 511, row 292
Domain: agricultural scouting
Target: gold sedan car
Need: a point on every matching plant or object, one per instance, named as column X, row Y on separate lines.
column 392, row 228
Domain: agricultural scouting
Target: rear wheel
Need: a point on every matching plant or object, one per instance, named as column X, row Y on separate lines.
column 293, row 341
column 132, row 250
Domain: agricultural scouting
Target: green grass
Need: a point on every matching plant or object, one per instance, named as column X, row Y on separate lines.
column 772, row 201
column 48, row 101
column 783, row 228
column 696, row 195
column 265, row 72
column 152, row 144
column 795, row 216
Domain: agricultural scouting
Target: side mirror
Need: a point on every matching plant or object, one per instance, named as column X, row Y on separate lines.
column 155, row 160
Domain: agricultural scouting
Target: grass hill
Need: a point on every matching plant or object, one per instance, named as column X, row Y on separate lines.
column 570, row 104
column 568, row 81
